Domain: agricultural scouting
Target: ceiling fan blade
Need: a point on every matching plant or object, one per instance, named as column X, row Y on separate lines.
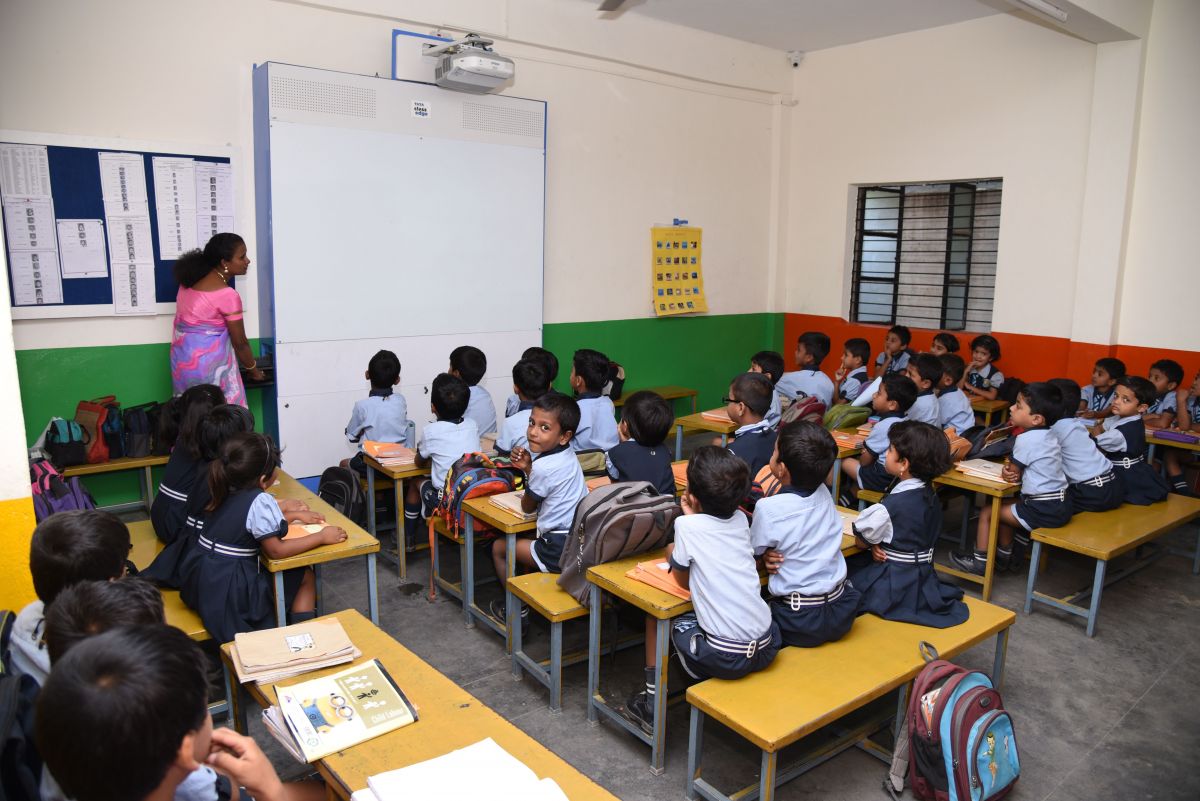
column 610, row 5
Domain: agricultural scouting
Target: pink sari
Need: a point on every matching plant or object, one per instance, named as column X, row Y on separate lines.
column 201, row 351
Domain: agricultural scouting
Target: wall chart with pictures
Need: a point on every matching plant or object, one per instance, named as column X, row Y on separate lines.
column 676, row 270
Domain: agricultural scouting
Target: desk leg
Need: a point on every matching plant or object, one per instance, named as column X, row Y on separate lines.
column 1001, row 655
column 989, row 571
column 678, row 442
column 1150, row 453
column 1034, row 556
column 766, row 776
column 233, row 699
column 1097, row 588
column 280, row 600
column 401, row 535
column 147, row 488
column 695, row 751
column 593, row 682
column 372, row 590
column 693, row 404
column 510, row 602
column 658, row 750
column 467, row 550
column 320, row 605
column 371, row 501
column 836, row 484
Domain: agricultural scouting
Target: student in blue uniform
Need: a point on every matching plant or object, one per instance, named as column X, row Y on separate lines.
column 468, row 363
column 748, row 401
column 770, row 364
column 1097, row 396
column 895, row 354
column 852, row 375
column 382, row 416
column 185, row 466
column 1123, row 441
column 222, row 578
column 1187, row 419
column 925, row 370
column 984, row 379
column 798, row 534
column 597, row 416
column 896, row 577
column 891, row 402
column 1036, row 462
column 944, row 343
column 642, row 455
column 954, row 407
column 811, row 349
column 1092, row 484
column 443, row 443
column 1166, row 375
column 730, row 634
column 530, row 383
column 549, row 363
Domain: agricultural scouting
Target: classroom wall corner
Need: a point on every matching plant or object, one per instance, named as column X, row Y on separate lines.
column 17, row 523
column 16, row 504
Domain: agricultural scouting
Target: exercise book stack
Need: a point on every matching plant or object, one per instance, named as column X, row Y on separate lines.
column 276, row 654
column 390, row 454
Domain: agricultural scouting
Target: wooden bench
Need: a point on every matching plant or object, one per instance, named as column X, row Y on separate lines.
column 1103, row 536
column 541, row 593
column 668, row 393
column 822, row 685
column 146, row 464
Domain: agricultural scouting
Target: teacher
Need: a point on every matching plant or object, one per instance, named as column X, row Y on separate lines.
column 210, row 336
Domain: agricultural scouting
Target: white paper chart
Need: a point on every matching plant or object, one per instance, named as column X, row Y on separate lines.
column 130, row 245
column 133, row 287
column 29, row 224
column 81, row 249
column 24, row 170
column 175, row 204
column 123, row 184
column 35, row 277
column 214, row 200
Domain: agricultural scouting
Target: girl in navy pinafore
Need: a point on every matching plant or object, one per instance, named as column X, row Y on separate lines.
column 896, row 576
column 1123, row 441
column 186, row 467
column 221, row 575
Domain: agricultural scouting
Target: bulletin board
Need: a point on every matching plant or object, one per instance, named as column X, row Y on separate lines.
column 95, row 231
column 677, row 270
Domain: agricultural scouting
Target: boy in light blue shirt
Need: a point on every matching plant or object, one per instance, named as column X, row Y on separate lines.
column 442, row 444
column 770, row 364
column 468, row 363
column 811, row 349
column 383, row 415
column 925, row 370
column 954, row 407
column 529, row 384
column 597, row 427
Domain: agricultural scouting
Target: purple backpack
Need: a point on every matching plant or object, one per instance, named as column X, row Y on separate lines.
column 52, row 493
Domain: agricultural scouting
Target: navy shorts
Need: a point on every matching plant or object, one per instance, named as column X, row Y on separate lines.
column 547, row 550
column 874, row 477
column 1091, row 498
column 702, row 660
column 807, row 626
column 1041, row 514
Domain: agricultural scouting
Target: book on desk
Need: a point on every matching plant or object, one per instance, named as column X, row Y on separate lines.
column 275, row 654
column 511, row 503
column 717, row 416
column 982, row 468
column 658, row 574
column 390, row 454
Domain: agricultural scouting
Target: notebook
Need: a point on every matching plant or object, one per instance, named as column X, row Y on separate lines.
column 389, row 454
column 302, row 530
column 717, row 415
column 511, row 503
column 658, row 575
column 680, row 471
column 598, row 481
column 982, row 468
column 274, row 654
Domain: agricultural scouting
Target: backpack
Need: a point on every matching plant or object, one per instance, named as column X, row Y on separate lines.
column 981, row 448
column 804, row 407
column 764, row 485
column 139, row 430
column 473, row 476
column 340, row 488
column 66, row 443
column 20, row 763
column 91, row 416
column 962, row 746
column 113, row 431
column 52, row 493
column 845, row 415
column 612, row 522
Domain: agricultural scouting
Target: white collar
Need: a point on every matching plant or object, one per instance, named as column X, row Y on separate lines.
column 746, row 429
column 906, row 485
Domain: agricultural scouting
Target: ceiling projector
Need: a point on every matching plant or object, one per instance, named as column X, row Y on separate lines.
column 470, row 65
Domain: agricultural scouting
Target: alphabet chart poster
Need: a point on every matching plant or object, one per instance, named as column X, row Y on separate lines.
column 676, row 270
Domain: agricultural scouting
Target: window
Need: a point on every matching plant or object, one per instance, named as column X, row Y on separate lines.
column 925, row 254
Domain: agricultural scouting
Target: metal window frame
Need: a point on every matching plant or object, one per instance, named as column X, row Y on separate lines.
column 860, row 230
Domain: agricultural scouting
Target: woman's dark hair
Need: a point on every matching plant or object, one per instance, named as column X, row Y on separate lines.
column 718, row 479
column 563, row 407
column 529, row 377
column 648, row 417
column 93, row 607
column 924, row 446
column 548, row 359
column 221, row 423
column 808, row 451
column 195, row 264
column 1141, row 388
column 948, row 341
column 1044, row 399
column 245, row 460
column 193, row 406
column 113, row 713
column 771, row 364
column 988, row 343
column 1070, row 395
column 70, row 547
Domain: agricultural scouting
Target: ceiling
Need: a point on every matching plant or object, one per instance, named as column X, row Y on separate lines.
column 808, row 24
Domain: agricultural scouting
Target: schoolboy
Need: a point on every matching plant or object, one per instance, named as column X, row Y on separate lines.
column 646, row 419
column 66, row 548
column 469, row 364
column 1166, row 375
column 597, row 417
column 1097, row 396
column 548, row 361
column 530, row 382
column 1187, row 407
column 943, row 343
column 852, row 375
column 925, row 370
column 747, row 404
column 798, row 533
column 383, row 415
column 984, row 379
column 124, row 715
column 811, row 349
column 443, row 442
column 895, row 354
column 555, row 487
column 730, row 634
column 1092, row 484
column 954, row 407
column 770, row 364
column 893, row 399
column 1036, row 463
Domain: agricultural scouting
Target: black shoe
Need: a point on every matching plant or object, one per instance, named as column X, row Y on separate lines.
column 499, row 610
column 967, row 563
column 1005, row 564
column 640, row 710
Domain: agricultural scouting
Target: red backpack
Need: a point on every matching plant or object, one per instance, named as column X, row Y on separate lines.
column 804, row 407
column 91, row 416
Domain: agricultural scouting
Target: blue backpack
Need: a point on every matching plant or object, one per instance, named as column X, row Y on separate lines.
column 52, row 493
column 66, row 442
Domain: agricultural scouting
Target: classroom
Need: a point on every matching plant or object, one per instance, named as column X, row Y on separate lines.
column 780, row 129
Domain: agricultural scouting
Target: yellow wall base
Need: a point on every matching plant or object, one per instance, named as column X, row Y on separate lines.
column 16, row 529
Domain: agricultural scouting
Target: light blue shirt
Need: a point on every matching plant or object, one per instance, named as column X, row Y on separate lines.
column 481, row 410
column 511, row 404
column 445, row 443
column 954, row 409
column 1081, row 459
column 514, row 431
column 1163, row 403
column 877, row 441
column 899, row 364
column 597, row 425
column 925, row 408
column 1039, row 455
column 808, row 531
column 987, row 378
column 812, row 383
column 379, row 418
column 1095, row 401
column 556, row 480
column 264, row 518
column 774, row 411
column 852, row 385
column 1110, row 438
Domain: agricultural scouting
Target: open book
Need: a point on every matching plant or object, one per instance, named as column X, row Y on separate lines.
column 982, row 468
column 658, row 575
column 319, row 717
column 274, row 654
column 511, row 503
column 390, row 454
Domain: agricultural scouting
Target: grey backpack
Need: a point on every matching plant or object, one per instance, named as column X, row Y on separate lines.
column 612, row 522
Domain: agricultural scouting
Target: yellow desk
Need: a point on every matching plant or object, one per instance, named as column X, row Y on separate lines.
column 988, row 408
column 663, row 607
column 358, row 543
column 995, row 490
column 668, row 393
column 702, row 423
column 146, row 464
column 146, row 546
column 397, row 475
column 448, row 718
column 844, row 452
column 1152, row 442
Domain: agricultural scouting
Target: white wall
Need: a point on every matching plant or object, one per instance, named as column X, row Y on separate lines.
column 633, row 140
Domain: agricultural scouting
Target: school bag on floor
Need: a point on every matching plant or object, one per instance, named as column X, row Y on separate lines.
column 961, row 743
column 612, row 522
column 804, row 407
column 91, row 416
column 66, row 443
column 846, row 415
column 52, row 493
column 340, row 488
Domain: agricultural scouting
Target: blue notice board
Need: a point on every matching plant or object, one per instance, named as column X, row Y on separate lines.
column 76, row 188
